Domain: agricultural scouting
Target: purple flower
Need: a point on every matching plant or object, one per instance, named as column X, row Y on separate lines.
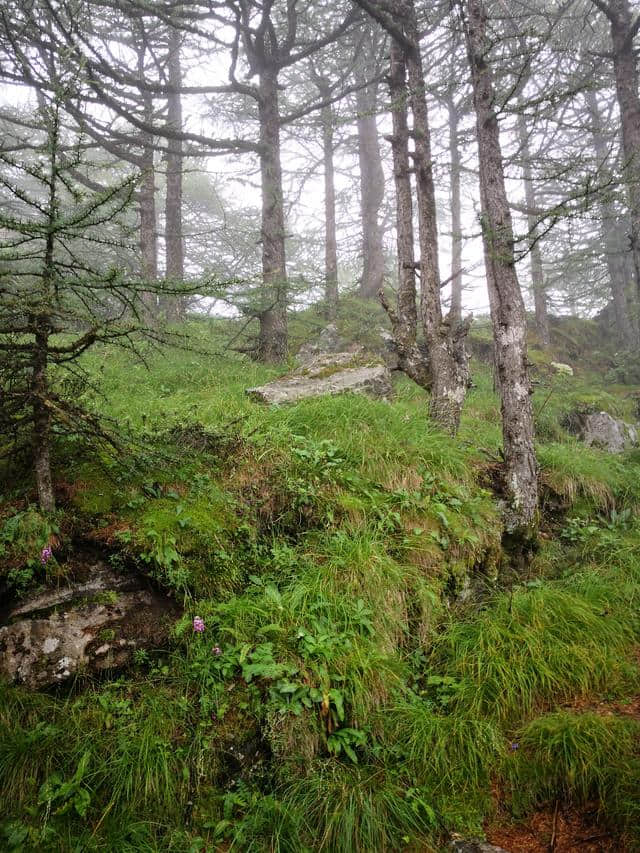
column 198, row 624
column 216, row 650
column 45, row 555
column 515, row 745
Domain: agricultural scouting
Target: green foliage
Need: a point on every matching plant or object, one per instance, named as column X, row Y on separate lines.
column 625, row 369
column 22, row 538
column 341, row 696
column 346, row 809
column 579, row 757
column 541, row 642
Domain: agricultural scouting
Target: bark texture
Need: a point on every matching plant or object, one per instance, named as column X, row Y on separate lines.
column 412, row 359
column 272, row 339
column 445, row 339
column 626, row 74
column 507, row 306
column 371, row 178
column 42, row 425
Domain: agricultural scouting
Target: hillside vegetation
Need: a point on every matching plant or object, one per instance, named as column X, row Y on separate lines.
column 373, row 673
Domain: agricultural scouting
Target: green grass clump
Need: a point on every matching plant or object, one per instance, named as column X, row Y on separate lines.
column 360, row 809
column 579, row 757
column 572, row 471
column 119, row 750
column 448, row 752
column 545, row 642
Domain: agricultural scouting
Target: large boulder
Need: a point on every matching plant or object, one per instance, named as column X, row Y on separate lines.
column 335, row 373
column 602, row 430
column 83, row 628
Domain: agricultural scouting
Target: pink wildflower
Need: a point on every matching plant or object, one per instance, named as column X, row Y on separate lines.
column 216, row 650
column 198, row 624
column 45, row 554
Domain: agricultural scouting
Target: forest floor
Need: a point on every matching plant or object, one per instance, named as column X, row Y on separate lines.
column 372, row 674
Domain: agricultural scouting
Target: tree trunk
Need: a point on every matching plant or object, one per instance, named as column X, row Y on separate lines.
column 445, row 340
column 273, row 336
column 40, row 323
column 610, row 227
column 456, row 211
column 537, row 272
column 42, row 424
column 404, row 318
column 626, row 74
column 507, row 307
column 330, row 241
column 371, row 192
column 174, row 242
column 147, row 201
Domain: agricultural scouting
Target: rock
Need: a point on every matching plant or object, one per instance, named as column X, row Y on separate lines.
column 335, row 373
column 474, row 846
column 82, row 628
column 328, row 342
column 389, row 350
column 561, row 368
column 602, row 430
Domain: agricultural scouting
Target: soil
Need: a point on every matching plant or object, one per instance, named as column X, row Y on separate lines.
column 566, row 830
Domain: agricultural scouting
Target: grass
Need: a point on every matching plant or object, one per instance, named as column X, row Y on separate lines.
column 580, row 758
column 540, row 643
column 359, row 809
column 329, row 546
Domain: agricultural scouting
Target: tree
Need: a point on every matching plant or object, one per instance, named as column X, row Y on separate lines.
column 611, row 229
column 367, row 71
column 624, row 28
column 173, row 236
column 272, row 42
column 453, row 113
column 505, row 297
column 447, row 373
column 330, row 240
column 60, row 290
column 535, row 254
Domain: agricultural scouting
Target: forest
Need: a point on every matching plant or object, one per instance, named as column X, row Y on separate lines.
column 319, row 426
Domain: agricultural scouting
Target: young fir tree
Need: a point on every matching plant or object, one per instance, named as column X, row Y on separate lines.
column 63, row 288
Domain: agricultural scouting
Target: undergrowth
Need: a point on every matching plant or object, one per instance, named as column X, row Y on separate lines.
column 366, row 677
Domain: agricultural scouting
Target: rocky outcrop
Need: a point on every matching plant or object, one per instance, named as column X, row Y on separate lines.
column 82, row 628
column 600, row 429
column 335, row 373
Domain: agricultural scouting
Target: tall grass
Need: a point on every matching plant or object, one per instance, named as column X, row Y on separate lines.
column 537, row 644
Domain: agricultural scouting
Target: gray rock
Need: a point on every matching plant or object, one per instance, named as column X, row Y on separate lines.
column 474, row 846
column 82, row 628
column 389, row 350
column 336, row 373
column 327, row 342
column 602, row 430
